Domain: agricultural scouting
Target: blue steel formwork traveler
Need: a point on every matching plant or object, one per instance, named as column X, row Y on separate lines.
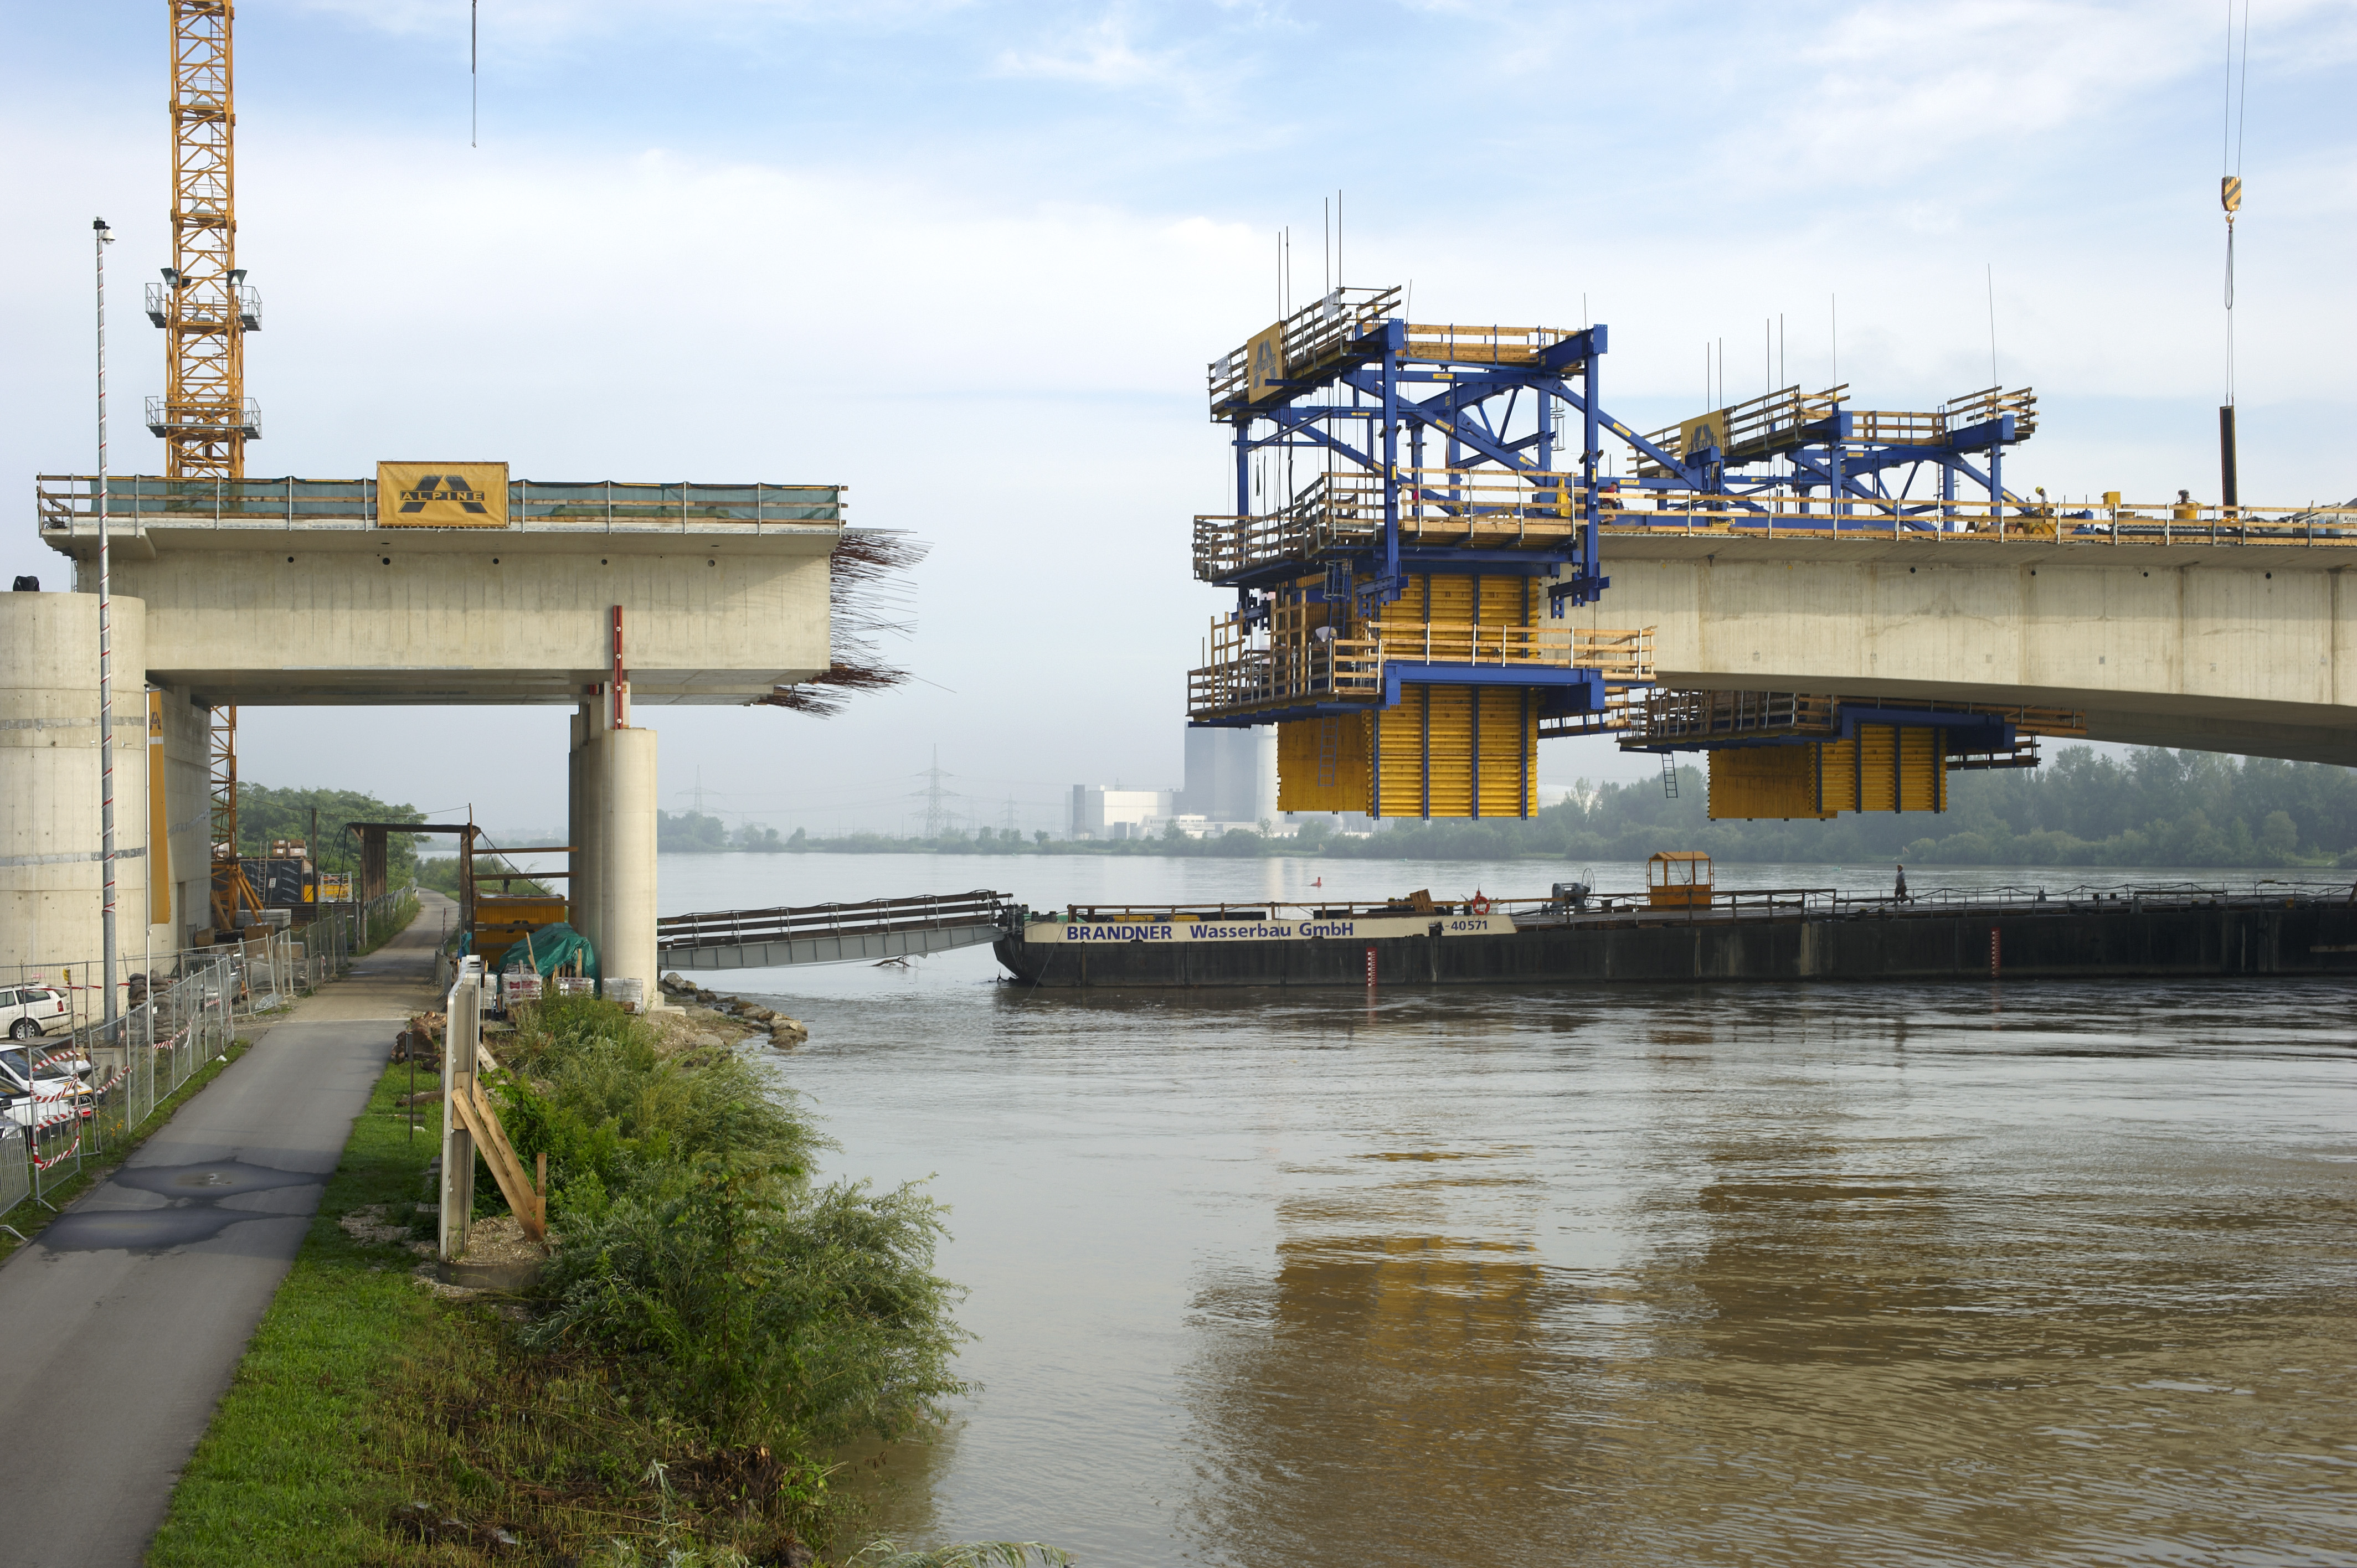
column 1392, row 607
column 1388, row 589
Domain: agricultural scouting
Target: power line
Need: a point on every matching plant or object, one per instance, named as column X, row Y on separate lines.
column 934, row 796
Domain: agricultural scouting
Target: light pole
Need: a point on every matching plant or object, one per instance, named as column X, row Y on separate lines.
column 100, row 240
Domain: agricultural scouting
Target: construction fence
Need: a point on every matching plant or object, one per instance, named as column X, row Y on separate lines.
column 93, row 1084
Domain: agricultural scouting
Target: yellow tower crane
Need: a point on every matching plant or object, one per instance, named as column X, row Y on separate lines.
column 204, row 306
column 205, row 309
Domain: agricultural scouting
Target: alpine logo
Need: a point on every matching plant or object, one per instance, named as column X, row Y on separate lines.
column 444, row 487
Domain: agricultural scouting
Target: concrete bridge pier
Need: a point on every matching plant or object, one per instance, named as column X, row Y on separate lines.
column 614, row 773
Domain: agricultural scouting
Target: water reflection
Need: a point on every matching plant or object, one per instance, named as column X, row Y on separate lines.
column 1383, row 1389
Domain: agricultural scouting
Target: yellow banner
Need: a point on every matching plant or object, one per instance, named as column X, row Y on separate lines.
column 441, row 495
column 1264, row 363
column 159, row 835
column 1703, row 430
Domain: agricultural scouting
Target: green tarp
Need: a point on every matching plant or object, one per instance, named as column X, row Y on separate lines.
column 550, row 947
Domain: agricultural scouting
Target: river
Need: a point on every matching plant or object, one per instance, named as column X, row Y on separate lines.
column 2037, row 1272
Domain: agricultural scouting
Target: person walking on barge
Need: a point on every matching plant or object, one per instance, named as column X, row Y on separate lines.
column 1898, row 894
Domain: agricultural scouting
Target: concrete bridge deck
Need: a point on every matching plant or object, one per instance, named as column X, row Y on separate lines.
column 2232, row 645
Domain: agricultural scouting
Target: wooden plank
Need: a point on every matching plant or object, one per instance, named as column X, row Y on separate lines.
column 500, row 1155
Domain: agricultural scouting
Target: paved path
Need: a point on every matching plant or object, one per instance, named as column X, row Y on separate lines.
column 121, row 1324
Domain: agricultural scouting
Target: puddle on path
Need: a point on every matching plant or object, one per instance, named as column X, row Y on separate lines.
column 193, row 1215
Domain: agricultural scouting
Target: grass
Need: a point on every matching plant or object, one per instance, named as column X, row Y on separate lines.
column 285, row 1474
column 372, row 1422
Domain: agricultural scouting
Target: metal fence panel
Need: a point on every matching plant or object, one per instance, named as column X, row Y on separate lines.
column 165, row 1029
column 15, row 1171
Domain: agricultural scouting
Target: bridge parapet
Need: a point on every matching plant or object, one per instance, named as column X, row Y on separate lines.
column 139, row 504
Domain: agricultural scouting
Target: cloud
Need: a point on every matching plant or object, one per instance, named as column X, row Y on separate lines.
column 526, row 20
column 1102, row 56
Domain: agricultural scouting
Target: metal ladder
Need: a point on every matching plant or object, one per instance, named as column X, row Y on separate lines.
column 1670, row 774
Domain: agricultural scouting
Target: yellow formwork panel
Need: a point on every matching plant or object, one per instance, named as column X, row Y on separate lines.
column 1465, row 601
column 1505, row 601
column 1400, row 756
column 1450, row 600
column 1442, row 743
column 501, row 921
column 1877, row 767
column 1452, row 741
column 1509, row 751
column 1883, row 768
column 1324, row 765
column 1837, row 778
column 1924, row 773
column 1765, row 782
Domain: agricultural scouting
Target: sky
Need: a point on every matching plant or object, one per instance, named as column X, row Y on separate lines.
column 971, row 259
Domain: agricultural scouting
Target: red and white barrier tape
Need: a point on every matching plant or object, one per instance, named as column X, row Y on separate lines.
column 69, row 1152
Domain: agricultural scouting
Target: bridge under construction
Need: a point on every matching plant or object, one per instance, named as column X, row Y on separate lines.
column 1417, row 555
column 1443, row 548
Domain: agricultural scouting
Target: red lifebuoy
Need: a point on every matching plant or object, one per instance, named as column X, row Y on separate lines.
column 1479, row 905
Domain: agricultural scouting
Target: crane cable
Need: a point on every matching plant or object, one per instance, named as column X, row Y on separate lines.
column 2229, row 159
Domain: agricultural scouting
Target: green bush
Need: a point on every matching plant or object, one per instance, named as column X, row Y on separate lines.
column 795, row 1318
column 613, row 1112
column 692, row 1241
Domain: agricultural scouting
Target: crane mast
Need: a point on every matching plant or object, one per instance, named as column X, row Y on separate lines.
column 202, row 305
column 205, row 309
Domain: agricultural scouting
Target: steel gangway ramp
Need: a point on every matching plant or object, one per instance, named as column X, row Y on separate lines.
column 871, row 932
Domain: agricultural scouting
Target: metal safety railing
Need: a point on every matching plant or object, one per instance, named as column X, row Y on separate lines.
column 1342, row 514
column 1295, row 662
column 1313, row 335
column 1931, row 519
column 1788, row 417
column 1325, row 330
column 67, row 504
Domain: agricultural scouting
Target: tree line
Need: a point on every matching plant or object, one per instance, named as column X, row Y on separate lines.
column 2152, row 807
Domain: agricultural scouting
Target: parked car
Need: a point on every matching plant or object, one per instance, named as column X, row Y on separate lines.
column 27, row 1011
column 34, row 1083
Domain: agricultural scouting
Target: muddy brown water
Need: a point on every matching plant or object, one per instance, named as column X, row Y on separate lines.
column 1767, row 1274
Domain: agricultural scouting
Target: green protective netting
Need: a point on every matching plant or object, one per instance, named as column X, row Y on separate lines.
column 548, row 948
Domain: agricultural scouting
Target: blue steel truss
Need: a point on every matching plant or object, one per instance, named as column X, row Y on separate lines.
column 1788, row 445
column 1362, row 397
column 1476, row 451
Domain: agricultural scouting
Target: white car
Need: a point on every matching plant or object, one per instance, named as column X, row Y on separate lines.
column 34, row 1085
column 29, row 1011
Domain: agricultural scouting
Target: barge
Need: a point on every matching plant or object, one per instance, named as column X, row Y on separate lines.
column 1800, row 934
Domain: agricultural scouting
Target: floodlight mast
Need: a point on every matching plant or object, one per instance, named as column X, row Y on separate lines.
column 100, row 240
